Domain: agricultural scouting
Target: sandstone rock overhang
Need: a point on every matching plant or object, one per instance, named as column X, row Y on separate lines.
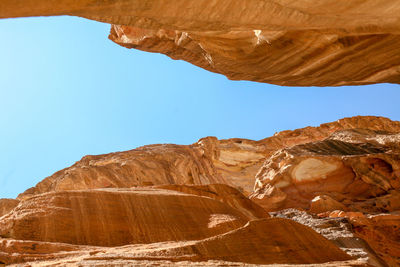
column 293, row 43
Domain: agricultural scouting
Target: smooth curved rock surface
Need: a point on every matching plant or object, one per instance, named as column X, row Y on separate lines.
column 225, row 194
column 266, row 241
column 295, row 43
column 115, row 217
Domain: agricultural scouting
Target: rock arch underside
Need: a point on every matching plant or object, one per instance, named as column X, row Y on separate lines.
column 317, row 196
column 292, row 43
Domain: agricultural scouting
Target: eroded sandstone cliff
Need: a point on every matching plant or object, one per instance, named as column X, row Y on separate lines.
column 232, row 161
column 208, row 202
column 296, row 43
column 319, row 174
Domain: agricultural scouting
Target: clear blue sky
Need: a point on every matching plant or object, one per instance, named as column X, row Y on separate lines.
column 67, row 91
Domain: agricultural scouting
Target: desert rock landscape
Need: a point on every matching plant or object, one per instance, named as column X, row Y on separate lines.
column 317, row 196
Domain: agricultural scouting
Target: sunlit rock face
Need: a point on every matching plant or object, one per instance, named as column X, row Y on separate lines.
column 381, row 231
column 340, row 230
column 295, row 43
column 353, row 174
column 305, row 57
column 211, row 203
column 144, row 166
column 231, row 161
column 157, row 224
column 115, row 217
column 6, row 205
column 330, row 171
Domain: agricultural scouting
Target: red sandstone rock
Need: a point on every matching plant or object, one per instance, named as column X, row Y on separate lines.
column 380, row 231
column 263, row 241
column 357, row 171
column 350, row 173
column 114, row 217
column 324, row 203
column 6, row 205
column 232, row 161
column 225, row 194
column 337, row 229
column 351, row 166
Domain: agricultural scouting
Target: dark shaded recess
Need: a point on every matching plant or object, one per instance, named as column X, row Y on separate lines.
column 380, row 165
column 336, row 147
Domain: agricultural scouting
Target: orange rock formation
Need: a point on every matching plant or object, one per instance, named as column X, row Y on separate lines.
column 381, row 231
column 116, row 217
column 349, row 172
column 297, row 43
column 6, row 205
column 208, row 203
column 232, row 161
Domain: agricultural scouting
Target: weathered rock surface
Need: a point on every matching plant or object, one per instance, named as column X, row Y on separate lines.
column 301, row 57
column 58, row 254
column 201, row 225
column 232, row 161
column 159, row 204
column 225, row 194
column 144, row 166
column 355, row 170
column 285, row 241
column 381, row 231
column 355, row 174
column 6, row 205
column 115, row 217
column 337, row 229
column 297, row 43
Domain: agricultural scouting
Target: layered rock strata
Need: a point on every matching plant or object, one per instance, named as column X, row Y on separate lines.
column 6, row 205
column 296, row 43
column 381, row 231
column 200, row 226
column 339, row 230
column 329, row 175
column 231, row 161
column 208, row 202
column 352, row 174
column 116, row 217
column 298, row 57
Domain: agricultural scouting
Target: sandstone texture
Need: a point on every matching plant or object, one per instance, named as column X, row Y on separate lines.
column 339, row 230
column 381, row 231
column 115, row 217
column 191, row 227
column 232, row 161
column 6, row 205
column 332, row 174
column 316, row 196
column 295, row 43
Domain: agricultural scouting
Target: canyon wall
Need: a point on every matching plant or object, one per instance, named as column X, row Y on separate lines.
column 317, row 196
column 217, row 202
column 232, row 161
